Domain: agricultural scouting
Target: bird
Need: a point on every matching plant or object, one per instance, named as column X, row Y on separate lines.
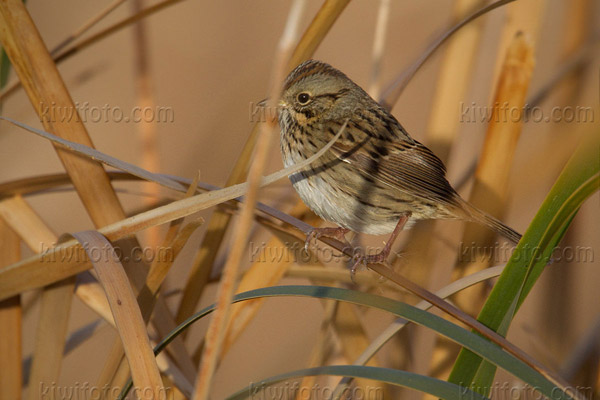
column 375, row 178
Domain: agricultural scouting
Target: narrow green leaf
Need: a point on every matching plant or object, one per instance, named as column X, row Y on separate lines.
column 4, row 68
column 464, row 337
column 425, row 384
column 579, row 179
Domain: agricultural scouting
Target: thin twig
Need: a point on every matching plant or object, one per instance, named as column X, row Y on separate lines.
column 86, row 26
column 11, row 89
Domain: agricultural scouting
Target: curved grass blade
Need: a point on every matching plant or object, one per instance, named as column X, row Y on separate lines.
column 579, row 179
column 422, row 383
column 472, row 341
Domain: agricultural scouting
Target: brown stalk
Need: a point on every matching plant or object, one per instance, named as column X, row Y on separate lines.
column 56, row 299
column 492, row 174
column 305, row 228
column 86, row 26
column 217, row 226
column 219, row 222
column 146, row 130
column 127, row 315
column 322, row 347
column 395, row 89
column 45, row 88
column 32, row 272
column 47, row 93
column 439, row 253
column 10, row 322
column 148, row 302
column 470, row 322
column 51, row 335
column 263, row 272
column 58, row 58
column 158, row 272
column 521, row 16
column 217, row 328
column 316, row 31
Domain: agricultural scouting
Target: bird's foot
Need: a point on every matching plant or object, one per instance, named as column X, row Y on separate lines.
column 334, row 233
column 359, row 259
column 382, row 256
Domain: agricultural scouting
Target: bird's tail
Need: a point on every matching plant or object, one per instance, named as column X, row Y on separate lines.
column 476, row 215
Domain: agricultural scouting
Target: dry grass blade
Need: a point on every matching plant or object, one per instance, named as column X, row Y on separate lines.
column 89, row 290
column 146, row 130
column 453, row 82
column 32, row 272
column 158, row 272
column 206, row 255
column 173, row 243
column 492, row 173
column 316, row 31
column 147, row 300
column 399, row 324
column 470, row 322
column 383, row 17
column 218, row 325
column 45, row 88
column 394, row 90
column 161, row 265
column 56, row 299
column 354, row 340
column 86, row 26
column 203, row 261
column 10, row 322
column 11, row 88
column 126, row 313
column 264, row 271
column 27, row 224
column 521, row 16
column 175, row 375
column 93, row 154
column 47, row 93
column 51, row 336
column 322, row 347
column 501, row 138
column 164, row 323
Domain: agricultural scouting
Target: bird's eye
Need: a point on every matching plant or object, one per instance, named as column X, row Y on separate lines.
column 303, row 98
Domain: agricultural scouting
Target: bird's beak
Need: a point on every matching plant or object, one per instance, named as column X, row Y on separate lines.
column 263, row 103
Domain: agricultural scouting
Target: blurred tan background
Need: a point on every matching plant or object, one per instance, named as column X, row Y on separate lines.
column 208, row 62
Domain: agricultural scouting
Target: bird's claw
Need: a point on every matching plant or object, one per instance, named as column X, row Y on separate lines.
column 358, row 259
column 334, row 233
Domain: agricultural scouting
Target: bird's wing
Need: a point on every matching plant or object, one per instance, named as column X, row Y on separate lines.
column 403, row 165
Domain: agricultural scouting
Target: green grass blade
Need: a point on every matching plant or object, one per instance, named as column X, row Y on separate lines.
column 579, row 179
column 425, row 384
column 464, row 337
column 4, row 68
